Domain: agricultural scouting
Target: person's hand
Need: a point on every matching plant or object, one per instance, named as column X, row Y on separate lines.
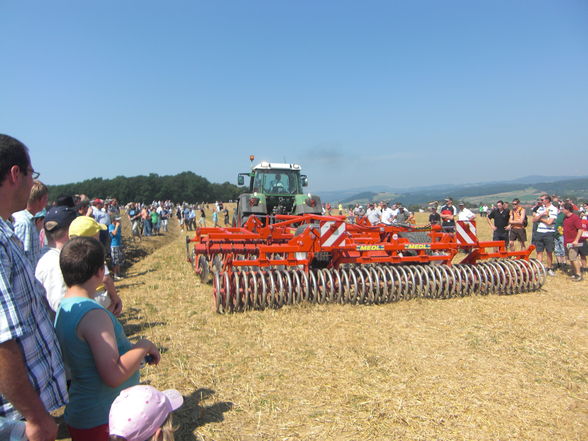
column 115, row 304
column 43, row 429
column 151, row 350
column 494, row 228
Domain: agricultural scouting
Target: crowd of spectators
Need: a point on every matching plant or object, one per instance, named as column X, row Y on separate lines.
column 559, row 227
column 192, row 216
column 61, row 343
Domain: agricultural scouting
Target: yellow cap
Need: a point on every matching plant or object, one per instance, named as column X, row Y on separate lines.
column 85, row 226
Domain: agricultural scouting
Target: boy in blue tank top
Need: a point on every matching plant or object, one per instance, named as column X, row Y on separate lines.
column 101, row 359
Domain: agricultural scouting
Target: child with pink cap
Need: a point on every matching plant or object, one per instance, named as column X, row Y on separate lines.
column 142, row 413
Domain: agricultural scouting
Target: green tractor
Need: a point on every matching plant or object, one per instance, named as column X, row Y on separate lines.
column 274, row 188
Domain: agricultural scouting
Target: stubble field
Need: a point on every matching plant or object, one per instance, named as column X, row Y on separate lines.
column 473, row 368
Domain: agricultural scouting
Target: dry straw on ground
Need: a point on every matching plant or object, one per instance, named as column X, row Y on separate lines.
column 476, row 368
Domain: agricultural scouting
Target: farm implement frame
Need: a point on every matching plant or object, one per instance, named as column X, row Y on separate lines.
column 284, row 259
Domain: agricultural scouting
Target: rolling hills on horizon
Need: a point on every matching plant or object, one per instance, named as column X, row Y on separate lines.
column 525, row 188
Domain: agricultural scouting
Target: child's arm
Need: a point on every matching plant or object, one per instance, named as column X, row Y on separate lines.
column 115, row 300
column 97, row 330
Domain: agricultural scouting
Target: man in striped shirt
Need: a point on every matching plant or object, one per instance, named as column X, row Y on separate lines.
column 32, row 378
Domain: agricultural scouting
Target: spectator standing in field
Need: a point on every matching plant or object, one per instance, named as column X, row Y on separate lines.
column 226, row 216
column 448, row 213
column 572, row 233
column 534, row 225
column 215, row 218
column 47, row 272
column 116, row 251
column 32, row 377
column 387, row 216
column 202, row 220
column 558, row 239
column 185, row 217
column 106, row 294
column 434, row 217
column 544, row 237
column 154, row 221
column 402, row 214
column 102, row 217
column 465, row 214
column 373, row 214
column 501, row 217
column 164, row 217
column 584, row 254
column 83, row 208
column 24, row 222
column 518, row 224
column 39, row 219
column 192, row 216
column 101, row 359
column 146, row 218
column 135, row 218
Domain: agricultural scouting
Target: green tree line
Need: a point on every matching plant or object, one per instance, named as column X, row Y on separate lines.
column 185, row 186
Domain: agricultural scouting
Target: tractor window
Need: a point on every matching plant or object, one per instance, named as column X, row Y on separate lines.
column 278, row 182
column 258, row 182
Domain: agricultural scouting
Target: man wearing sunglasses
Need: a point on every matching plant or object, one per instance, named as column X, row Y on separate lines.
column 518, row 223
column 544, row 239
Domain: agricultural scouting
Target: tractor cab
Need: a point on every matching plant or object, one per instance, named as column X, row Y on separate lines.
column 275, row 188
column 272, row 178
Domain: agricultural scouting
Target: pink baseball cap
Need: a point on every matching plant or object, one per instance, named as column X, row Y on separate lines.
column 139, row 411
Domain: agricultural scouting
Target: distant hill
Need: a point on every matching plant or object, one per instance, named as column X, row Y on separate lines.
column 526, row 189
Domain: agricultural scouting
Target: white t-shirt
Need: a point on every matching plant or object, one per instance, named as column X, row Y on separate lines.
column 373, row 215
column 552, row 214
column 49, row 274
column 466, row 215
column 388, row 216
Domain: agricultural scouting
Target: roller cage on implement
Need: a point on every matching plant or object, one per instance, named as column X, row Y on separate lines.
column 311, row 258
column 274, row 189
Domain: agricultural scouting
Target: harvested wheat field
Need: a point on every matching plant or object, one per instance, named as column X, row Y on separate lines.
column 473, row 368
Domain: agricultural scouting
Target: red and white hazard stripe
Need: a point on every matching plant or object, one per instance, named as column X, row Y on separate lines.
column 332, row 233
column 466, row 232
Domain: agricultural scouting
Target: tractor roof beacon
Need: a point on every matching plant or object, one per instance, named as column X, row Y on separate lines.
column 275, row 188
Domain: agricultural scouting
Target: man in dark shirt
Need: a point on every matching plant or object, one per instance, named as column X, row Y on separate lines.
column 501, row 218
column 448, row 213
column 434, row 217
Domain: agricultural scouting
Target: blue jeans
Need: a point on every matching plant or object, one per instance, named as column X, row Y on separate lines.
column 147, row 228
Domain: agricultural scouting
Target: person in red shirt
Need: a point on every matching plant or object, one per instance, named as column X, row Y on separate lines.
column 572, row 232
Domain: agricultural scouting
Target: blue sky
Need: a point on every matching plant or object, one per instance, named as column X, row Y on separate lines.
column 359, row 92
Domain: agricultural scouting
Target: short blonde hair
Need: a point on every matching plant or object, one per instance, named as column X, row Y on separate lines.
column 38, row 191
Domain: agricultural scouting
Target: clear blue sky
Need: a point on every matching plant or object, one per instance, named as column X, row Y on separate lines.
column 359, row 92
